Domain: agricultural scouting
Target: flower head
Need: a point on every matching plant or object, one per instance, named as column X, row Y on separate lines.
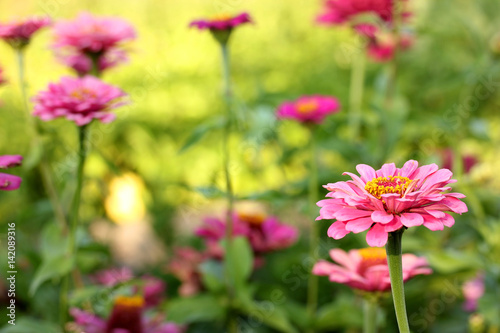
column 381, row 45
column 185, row 266
column 367, row 269
column 389, row 199
column 473, row 290
column 340, row 11
column 222, row 22
column 18, row 34
column 309, row 109
column 78, row 99
column 89, row 38
column 126, row 316
column 9, row 182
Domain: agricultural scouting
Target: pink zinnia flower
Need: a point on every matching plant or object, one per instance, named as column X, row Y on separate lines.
column 9, row 182
column 341, row 11
column 126, row 316
column 309, row 109
column 473, row 290
column 389, row 199
column 78, row 99
column 18, row 33
column 222, row 22
column 367, row 269
column 381, row 46
column 88, row 38
column 185, row 265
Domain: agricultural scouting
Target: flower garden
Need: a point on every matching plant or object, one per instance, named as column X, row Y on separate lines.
column 250, row 166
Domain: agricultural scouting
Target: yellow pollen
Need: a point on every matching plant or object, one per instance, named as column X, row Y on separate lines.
column 391, row 184
column 371, row 256
column 306, row 107
column 252, row 218
column 83, row 93
column 221, row 17
column 130, row 301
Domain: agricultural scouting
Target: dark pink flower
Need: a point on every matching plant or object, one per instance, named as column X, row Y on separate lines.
column 309, row 109
column 340, row 11
column 389, row 199
column 222, row 22
column 9, row 182
column 126, row 316
column 18, row 33
column 448, row 157
column 473, row 290
column 381, row 45
column 185, row 266
column 367, row 269
column 79, row 99
column 92, row 38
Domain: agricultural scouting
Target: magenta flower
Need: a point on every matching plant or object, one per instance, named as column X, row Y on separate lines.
column 389, row 199
column 473, row 290
column 92, row 38
column 340, row 11
column 18, row 34
column 309, row 109
column 126, row 316
column 9, row 182
column 222, row 22
column 448, row 158
column 367, row 269
column 381, row 46
column 185, row 266
column 79, row 99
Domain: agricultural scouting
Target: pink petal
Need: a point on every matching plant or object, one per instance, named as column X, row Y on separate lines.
column 337, row 230
column 387, row 170
column 376, row 237
column 409, row 168
column 359, row 225
column 348, row 260
column 411, row 219
column 346, row 214
column 367, row 172
column 381, row 216
column 432, row 223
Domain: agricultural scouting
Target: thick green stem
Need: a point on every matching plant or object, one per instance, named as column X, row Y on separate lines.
column 356, row 92
column 394, row 260
column 312, row 286
column 370, row 309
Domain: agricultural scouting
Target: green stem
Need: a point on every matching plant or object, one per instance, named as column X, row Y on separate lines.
column 370, row 309
column 312, row 285
column 394, row 260
column 356, row 92
column 227, row 96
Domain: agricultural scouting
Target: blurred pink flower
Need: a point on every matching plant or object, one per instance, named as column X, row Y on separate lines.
column 126, row 317
column 389, row 199
column 2, row 78
column 367, row 269
column 448, row 157
column 9, row 182
column 152, row 288
column 381, row 46
column 309, row 109
column 87, row 37
column 18, row 33
column 340, row 11
column 185, row 266
column 78, row 99
column 473, row 290
column 265, row 234
column 222, row 22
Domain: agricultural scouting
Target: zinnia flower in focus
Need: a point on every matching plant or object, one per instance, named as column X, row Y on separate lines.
column 473, row 290
column 9, row 182
column 89, row 38
column 221, row 26
column 185, row 266
column 126, row 316
column 18, row 33
column 389, row 199
column 309, row 109
column 78, row 99
column 367, row 269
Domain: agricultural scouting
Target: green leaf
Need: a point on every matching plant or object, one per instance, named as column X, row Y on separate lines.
column 451, row 262
column 199, row 132
column 212, row 274
column 341, row 313
column 268, row 313
column 53, row 243
column 50, row 268
column 30, row 325
column 239, row 258
column 195, row 309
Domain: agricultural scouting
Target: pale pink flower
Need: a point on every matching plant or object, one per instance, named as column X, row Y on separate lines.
column 127, row 316
column 18, row 33
column 185, row 266
column 389, row 199
column 222, row 22
column 79, row 99
column 92, row 38
column 367, row 269
column 473, row 290
column 309, row 109
column 9, row 182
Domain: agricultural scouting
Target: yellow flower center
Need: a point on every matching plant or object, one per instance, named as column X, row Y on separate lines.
column 221, row 17
column 306, row 107
column 391, row 184
column 371, row 256
column 83, row 94
column 130, row 301
column 252, row 218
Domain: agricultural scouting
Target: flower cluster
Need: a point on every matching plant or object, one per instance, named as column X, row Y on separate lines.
column 18, row 33
column 390, row 199
column 88, row 38
column 309, row 109
column 9, row 182
column 367, row 269
column 78, row 99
